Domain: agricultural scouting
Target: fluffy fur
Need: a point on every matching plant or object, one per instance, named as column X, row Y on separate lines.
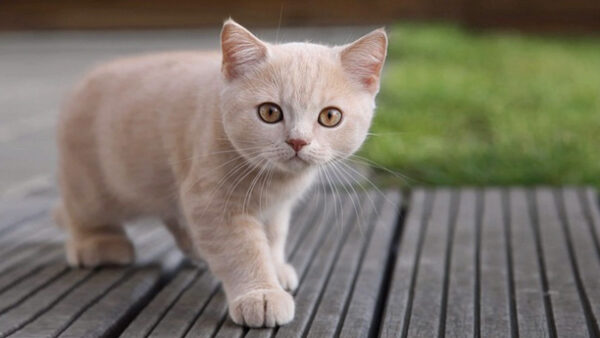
column 178, row 136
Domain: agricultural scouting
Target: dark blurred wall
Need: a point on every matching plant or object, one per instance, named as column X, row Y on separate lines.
column 541, row 15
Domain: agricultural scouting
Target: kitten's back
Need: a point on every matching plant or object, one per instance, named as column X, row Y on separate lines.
column 127, row 119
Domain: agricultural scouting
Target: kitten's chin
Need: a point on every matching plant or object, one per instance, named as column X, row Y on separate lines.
column 294, row 165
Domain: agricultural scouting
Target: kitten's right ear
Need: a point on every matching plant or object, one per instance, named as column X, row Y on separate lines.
column 240, row 48
column 363, row 59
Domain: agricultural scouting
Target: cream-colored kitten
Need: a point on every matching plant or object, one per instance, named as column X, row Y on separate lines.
column 189, row 136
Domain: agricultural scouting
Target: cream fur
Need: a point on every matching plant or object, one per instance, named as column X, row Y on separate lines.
column 178, row 136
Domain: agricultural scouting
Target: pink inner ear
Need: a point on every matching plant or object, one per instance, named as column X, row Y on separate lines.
column 372, row 80
column 240, row 49
column 364, row 59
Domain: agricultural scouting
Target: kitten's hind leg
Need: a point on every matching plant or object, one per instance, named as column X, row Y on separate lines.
column 91, row 245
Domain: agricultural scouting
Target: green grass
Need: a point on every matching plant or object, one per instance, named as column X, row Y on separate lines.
column 464, row 108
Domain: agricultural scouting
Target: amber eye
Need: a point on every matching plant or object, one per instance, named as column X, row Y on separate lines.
column 270, row 112
column 330, row 117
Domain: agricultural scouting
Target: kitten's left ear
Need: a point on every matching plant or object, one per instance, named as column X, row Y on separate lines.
column 240, row 48
column 363, row 59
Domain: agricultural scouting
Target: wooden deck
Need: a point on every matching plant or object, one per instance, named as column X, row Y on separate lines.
column 435, row 262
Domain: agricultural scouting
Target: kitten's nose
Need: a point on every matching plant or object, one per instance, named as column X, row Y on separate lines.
column 296, row 143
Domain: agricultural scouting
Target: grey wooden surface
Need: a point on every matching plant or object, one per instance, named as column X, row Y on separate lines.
column 497, row 263
column 493, row 262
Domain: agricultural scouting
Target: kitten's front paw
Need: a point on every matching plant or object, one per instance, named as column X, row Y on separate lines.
column 100, row 250
column 262, row 308
column 287, row 276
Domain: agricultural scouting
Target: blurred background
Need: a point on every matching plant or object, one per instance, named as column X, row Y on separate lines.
column 474, row 92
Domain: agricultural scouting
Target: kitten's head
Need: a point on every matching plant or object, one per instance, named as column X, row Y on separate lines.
column 298, row 105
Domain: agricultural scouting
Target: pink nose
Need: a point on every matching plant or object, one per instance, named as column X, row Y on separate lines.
column 296, row 144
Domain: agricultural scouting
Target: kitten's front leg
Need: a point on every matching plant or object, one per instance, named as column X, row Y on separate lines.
column 277, row 229
column 238, row 253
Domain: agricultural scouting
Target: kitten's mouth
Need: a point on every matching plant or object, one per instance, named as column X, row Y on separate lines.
column 298, row 159
column 296, row 162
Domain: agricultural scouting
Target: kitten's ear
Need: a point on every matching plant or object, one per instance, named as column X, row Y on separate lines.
column 363, row 59
column 240, row 48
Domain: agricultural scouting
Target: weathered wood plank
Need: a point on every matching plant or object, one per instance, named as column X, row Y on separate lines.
column 230, row 330
column 53, row 322
column 152, row 314
column 531, row 314
column 35, row 240
column 113, row 311
column 211, row 318
column 183, row 313
column 28, row 267
column 569, row 317
column 260, row 333
column 495, row 309
column 364, row 298
column 328, row 314
column 41, row 302
column 25, row 288
column 52, row 310
column 23, row 263
column 31, row 253
column 588, row 262
column 399, row 302
column 591, row 205
column 309, row 291
column 426, row 310
column 552, row 239
column 460, row 309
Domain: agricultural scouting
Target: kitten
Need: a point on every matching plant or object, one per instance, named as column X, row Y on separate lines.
column 189, row 136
